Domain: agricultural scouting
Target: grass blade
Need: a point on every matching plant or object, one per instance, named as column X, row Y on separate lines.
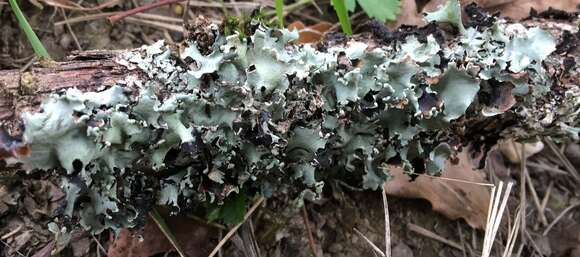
column 342, row 14
column 280, row 12
column 37, row 45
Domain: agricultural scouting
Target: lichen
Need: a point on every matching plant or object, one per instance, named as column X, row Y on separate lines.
column 260, row 115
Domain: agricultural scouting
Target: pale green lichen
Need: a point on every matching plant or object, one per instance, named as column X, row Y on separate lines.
column 257, row 113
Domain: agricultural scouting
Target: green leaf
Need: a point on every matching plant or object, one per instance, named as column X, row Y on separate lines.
column 234, row 209
column 342, row 13
column 381, row 10
column 280, row 12
column 37, row 45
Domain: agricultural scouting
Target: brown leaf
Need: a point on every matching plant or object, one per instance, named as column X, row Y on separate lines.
column 310, row 34
column 409, row 15
column 193, row 237
column 519, row 9
column 452, row 199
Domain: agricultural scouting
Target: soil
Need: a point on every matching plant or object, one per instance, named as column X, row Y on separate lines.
column 28, row 204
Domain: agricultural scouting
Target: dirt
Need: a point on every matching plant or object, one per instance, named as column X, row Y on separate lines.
column 28, row 205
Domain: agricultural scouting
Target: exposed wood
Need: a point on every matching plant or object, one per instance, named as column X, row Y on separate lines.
column 85, row 70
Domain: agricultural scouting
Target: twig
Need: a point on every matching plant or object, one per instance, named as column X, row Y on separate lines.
column 9, row 246
column 117, row 17
column 205, row 222
column 89, row 17
column 426, row 233
column 559, row 217
column 534, row 245
column 523, row 200
column 78, row 7
column 563, row 159
column 156, row 24
column 70, row 30
column 377, row 249
column 543, row 166
column 156, row 217
column 461, row 239
column 185, row 15
column 236, row 8
column 254, row 240
column 29, row 63
column 543, row 219
column 99, row 245
column 235, row 228
column 453, row 180
column 547, row 196
column 311, row 242
column 387, row 225
column 11, row 233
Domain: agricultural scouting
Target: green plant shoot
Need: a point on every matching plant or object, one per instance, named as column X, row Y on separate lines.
column 37, row 45
column 280, row 12
column 342, row 14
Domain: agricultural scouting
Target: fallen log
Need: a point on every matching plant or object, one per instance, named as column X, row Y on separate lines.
column 225, row 115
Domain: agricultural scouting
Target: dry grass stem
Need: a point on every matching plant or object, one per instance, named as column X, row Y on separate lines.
column 236, row 227
column 559, row 217
column 311, row 242
column 373, row 246
column 387, row 225
column 512, row 237
column 498, row 202
column 427, row 233
column 571, row 169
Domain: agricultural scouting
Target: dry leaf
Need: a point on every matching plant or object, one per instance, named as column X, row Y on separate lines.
column 453, row 199
column 192, row 236
column 519, row 9
column 310, row 34
column 410, row 15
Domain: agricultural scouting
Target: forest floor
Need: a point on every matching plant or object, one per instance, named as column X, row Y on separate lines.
column 328, row 226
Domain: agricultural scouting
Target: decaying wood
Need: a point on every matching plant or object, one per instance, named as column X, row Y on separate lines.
column 97, row 69
column 86, row 71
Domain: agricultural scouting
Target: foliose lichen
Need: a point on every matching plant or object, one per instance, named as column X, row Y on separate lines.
column 262, row 115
